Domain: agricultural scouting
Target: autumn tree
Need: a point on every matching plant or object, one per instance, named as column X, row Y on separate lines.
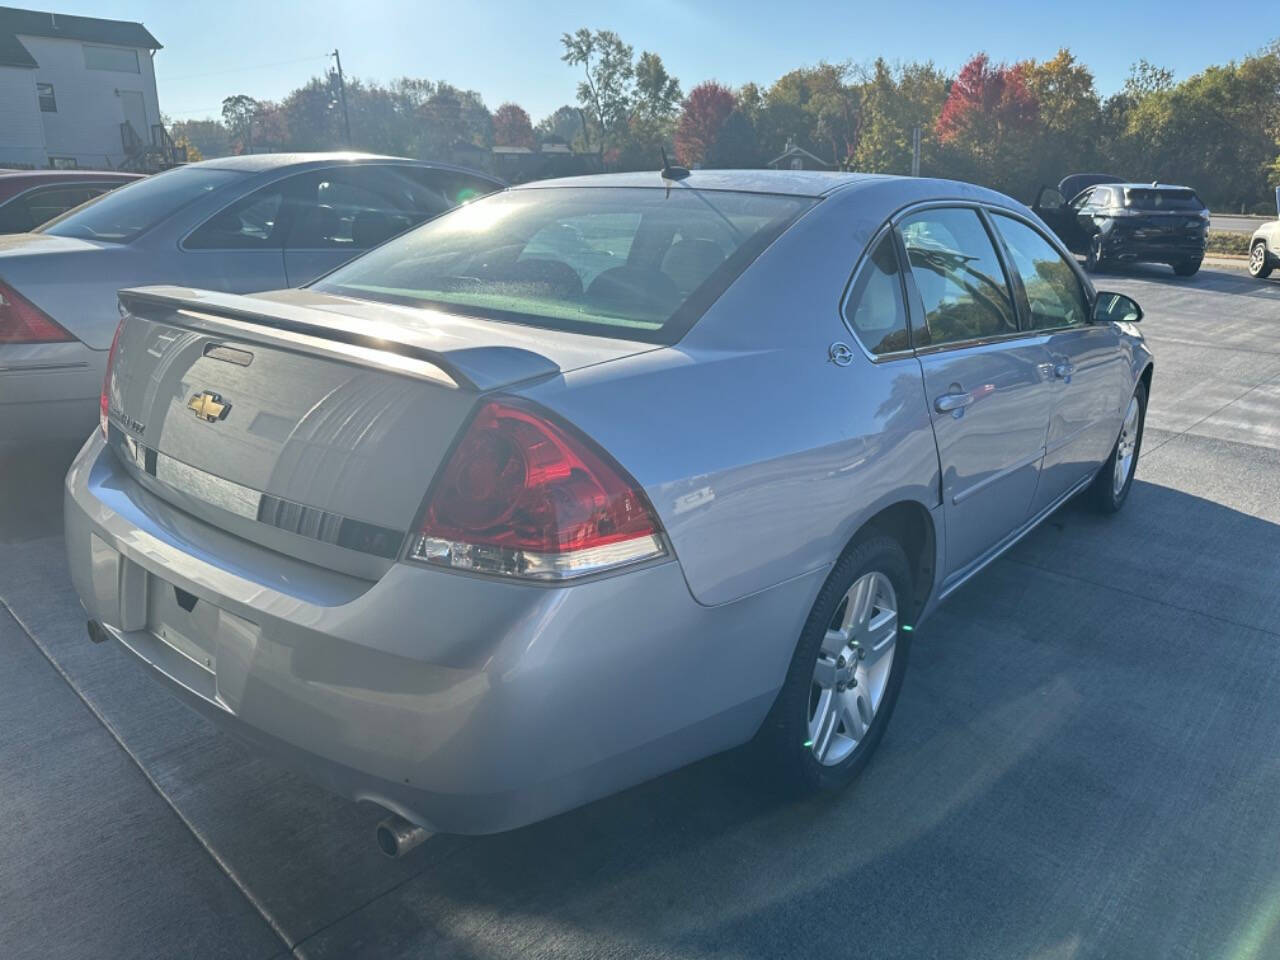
column 512, row 127
column 984, row 126
column 702, row 116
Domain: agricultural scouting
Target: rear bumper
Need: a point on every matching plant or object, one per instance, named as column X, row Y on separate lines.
column 48, row 392
column 463, row 703
column 1121, row 247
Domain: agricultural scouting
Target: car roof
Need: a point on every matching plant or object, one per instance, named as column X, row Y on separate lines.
column 799, row 183
column 77, row 174
column 262, row 162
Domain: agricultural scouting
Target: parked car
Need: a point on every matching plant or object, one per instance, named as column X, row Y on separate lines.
column 1264, row 246
column 236, row 224
column 592, row 478
column 1111, row 223
column 28, row 198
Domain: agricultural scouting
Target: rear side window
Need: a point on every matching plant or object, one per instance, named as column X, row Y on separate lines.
column 126, row 213
column 962, row 286
column 634, row 262
column 248, row 224
column 1054, row 295
column 876, row 309
column 360, row 206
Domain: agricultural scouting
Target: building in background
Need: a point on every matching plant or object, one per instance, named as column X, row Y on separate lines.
column 798, row 158
column 79, row 92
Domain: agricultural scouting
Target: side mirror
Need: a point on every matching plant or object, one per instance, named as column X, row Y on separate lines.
column 1116, row 308
column 1049, row 199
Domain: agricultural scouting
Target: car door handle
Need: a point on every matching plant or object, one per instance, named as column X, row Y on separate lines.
column 1063, row 369
column 952, row 402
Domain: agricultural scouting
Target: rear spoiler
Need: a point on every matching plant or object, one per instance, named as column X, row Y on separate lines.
column 384, row 346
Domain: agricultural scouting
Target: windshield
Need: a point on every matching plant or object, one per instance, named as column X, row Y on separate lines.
column 629, row 262
column 1151, row 198
column 123, row 214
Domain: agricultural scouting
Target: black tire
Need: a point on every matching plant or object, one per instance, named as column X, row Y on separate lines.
column 1187, row 268
column 1260, row 266
column 1094, row 259
column 1103, row 492
column 782, row 744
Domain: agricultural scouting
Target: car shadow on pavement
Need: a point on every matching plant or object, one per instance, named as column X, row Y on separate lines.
column 1083, row 762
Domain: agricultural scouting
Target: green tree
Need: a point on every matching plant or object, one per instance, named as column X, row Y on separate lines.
column 1069, row 127
column 238, row 113
column 606, row 88
column 895, row 102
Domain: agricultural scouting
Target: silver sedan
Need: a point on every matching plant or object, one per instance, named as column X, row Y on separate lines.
column 592, row 478
column 236, row 224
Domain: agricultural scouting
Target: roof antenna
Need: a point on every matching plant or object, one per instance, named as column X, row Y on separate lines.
column 670, row 172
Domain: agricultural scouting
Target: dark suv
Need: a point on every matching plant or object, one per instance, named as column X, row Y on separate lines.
column 1129, row 222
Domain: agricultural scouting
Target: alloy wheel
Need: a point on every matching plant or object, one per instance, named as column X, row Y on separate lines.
column 1257, row 258
column 1126, row 446
column 853, row 668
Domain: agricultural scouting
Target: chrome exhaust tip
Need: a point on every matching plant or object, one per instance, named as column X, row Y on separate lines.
column 397, row 836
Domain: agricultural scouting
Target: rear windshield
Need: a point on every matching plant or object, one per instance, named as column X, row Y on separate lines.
column 637, row 263
column 1154, row 198
column 123, row 214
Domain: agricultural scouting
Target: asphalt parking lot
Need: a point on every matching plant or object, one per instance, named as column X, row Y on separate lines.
column 1085, row 761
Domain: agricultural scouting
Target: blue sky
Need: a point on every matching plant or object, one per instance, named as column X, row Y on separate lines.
column 510, row 51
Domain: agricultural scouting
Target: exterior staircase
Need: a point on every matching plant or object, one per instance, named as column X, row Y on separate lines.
column 149, row 155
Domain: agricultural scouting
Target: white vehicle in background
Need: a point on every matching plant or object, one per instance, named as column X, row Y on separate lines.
column 1264, row 246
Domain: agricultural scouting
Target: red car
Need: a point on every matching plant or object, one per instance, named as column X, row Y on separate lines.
column 28, row 198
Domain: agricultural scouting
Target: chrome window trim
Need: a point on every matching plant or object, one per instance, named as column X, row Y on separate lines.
column 980, row 209
column 1086, row 289
column 987, row 207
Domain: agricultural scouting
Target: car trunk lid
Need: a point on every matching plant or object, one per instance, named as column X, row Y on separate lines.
column 306, row 423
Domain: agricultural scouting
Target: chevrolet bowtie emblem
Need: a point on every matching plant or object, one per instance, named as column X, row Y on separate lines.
column 208, row 407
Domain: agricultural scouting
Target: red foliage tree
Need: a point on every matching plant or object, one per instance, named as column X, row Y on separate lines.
column 702, row 117
column 512, row 127
column 986, row 100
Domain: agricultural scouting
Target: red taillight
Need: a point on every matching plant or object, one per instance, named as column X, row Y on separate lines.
column 21, row 321
column 104, row 402
column 526, row 496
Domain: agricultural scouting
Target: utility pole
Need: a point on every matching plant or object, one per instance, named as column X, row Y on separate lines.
column 915, row 152
column 342, row 95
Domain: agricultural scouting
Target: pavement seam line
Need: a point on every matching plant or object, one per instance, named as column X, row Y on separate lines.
column 1184, row 432
column 225, row 867
column 1142, row 596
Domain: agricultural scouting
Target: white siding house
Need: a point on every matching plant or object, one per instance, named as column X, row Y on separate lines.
column 77, row 91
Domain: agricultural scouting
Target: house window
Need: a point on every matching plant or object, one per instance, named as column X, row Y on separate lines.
column 119, row 59
column 44, row 91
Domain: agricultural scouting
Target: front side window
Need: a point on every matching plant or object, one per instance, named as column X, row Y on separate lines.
column 962, row 286
column 44, row 93
column 1054, row 295
column 628, row 262
column 876, row 309
column 124, row 214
